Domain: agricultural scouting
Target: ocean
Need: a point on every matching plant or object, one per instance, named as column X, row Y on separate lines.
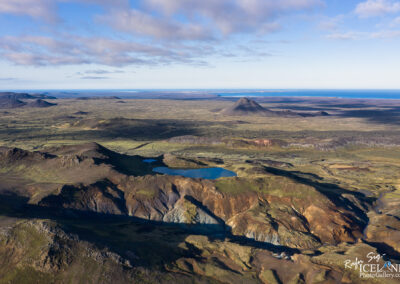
column 350, row 94
column 133, row 93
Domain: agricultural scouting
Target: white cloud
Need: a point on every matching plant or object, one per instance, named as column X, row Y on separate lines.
column 45, row 10
column 138, row 22
column 373, row 8
column 234, row 16
column 346, row 36
column 100, row 72
column 201, row 19
column 331, row 23
column 8, row 79
column 39, row 9
column 383, row 34
column 153, row 32
column 71, row 50
column 386, row 34
column 95, row 78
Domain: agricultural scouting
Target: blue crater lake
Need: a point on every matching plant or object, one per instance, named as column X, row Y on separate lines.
column 207, row 173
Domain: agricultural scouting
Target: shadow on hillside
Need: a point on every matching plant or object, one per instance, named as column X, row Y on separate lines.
column 332, row 191
column 137, row 129
column 335, row 194
column 383, row 116
column 385, row 249
column 297, row 107
column 345, row 105
column 278, row 100
column 145, row 243
column 128, row 164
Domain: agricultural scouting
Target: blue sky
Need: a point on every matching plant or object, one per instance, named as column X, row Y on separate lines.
column 122, row 44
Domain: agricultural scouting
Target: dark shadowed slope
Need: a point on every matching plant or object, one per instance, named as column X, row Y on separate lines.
column 25, row 96
column 15, row 100
column 10, row 102
column 245, row 106
column 40, row 103
column 86, row 211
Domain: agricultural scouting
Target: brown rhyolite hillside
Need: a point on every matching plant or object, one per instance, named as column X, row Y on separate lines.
column 266, row 208
column 270, row 209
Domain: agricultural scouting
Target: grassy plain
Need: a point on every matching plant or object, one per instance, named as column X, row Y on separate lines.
column 369, row 157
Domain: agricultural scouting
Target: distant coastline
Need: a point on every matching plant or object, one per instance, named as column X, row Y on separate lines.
column 221, row 93
column 342, row 94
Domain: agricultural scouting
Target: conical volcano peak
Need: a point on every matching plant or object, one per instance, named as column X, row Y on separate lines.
column 248, row 103
column 244, row 100
column 245, row 106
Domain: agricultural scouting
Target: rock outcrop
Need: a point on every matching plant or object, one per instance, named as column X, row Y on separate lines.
column 271, row 209
column 250, row 229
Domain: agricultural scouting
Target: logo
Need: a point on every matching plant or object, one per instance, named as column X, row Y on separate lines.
column 374, row 266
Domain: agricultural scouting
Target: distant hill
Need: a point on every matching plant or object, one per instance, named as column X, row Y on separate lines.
column 245, row 106
column 98, row 98
column 10, row 95
column 25, row 96
column 10, row 102
column 323, row 113
column 248, row 107
column 81, row 113
column 40, row 103
column 15, row 100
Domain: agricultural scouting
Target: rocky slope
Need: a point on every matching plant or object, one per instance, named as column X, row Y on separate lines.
column 263, row 220
column 303, row 219
column 40, row 251
column 271, row 209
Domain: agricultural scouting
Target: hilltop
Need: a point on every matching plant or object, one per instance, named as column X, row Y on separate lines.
column 40, row 103
column 309, row 193
column 269, row 215
column 17, row 100
column 10, row 101
column 248, row 107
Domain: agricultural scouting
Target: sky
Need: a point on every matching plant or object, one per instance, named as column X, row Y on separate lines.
column 199, row 44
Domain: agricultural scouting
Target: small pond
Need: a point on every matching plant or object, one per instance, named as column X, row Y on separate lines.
column 149, row 161
column 207, row 173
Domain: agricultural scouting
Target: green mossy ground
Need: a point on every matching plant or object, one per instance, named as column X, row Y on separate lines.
column 144, row 130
